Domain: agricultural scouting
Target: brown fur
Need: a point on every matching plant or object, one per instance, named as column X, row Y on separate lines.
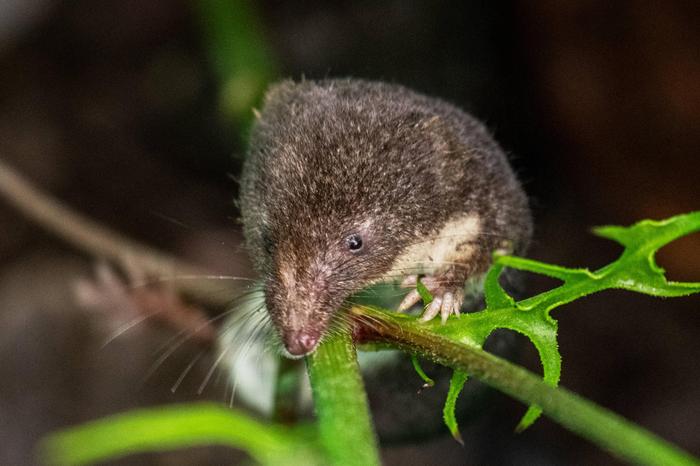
column 334, row 157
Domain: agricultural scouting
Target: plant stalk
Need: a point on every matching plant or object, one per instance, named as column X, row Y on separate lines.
column 344, row 422
column 599, row 425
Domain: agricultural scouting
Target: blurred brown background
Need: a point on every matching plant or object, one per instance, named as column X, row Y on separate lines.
column 113, row 106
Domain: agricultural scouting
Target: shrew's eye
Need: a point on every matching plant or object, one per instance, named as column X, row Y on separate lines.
column 354, row 243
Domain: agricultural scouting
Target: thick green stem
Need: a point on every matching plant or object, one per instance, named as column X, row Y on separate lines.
column 601, row 426
column 344, row 422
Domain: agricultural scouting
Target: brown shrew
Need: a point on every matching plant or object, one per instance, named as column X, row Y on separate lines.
column 349, row 183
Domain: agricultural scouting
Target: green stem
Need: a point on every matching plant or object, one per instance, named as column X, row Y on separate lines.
column 599, row 425
column 344, row 422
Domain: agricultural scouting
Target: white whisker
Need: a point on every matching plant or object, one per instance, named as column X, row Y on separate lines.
column 126, row 327
column 184, row 373
column 204, row 383
column 172, row 278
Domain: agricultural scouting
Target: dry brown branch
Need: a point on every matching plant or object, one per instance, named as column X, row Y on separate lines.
column 96, row 240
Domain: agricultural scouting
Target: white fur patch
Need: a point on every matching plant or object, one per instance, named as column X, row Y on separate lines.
column 453, row 244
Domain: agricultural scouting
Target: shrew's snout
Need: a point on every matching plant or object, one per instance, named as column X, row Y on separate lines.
column 300, row 319
column 300, row 306
column 300, row 343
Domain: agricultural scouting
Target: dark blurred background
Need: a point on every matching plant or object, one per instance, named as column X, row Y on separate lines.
column 120, row 109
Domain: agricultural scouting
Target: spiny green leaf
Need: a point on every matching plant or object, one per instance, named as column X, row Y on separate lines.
column 459, row 378
column 634, row 270
column 496, row 297
column 548, row 350
column 427, row 297
column 421, row 373
column 564, row 274
column 609, row 431
column 652, row 235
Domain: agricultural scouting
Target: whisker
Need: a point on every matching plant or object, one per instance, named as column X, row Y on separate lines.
column 169, row 352
column 371, row 321
column 213, row 367
column 171, row 278
column 244, row 318
column 185, row 334
column 161, row 359
column 126, row 327
column 432, row 262
column 177, row 340
column 226, row 388
column 184, row 373
column 371, row 293
column 233, row 392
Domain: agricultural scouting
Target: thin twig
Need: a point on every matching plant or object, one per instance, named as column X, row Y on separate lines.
column 92, row 238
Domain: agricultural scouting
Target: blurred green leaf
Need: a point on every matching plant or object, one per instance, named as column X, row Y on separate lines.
column 180, row 426
column 239, row 54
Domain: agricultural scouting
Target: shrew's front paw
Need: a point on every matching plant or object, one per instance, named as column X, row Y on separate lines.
column 447, row 296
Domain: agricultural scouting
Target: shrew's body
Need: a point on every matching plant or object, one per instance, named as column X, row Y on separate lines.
column 350, row 182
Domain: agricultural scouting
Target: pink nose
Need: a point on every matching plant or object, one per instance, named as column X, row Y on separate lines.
column 300, row 344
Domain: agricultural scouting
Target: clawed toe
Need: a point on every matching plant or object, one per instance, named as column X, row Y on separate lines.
column 451, row 303
column 432, row 310
column 411, row 299
column 447, row 306
column 446, row 301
